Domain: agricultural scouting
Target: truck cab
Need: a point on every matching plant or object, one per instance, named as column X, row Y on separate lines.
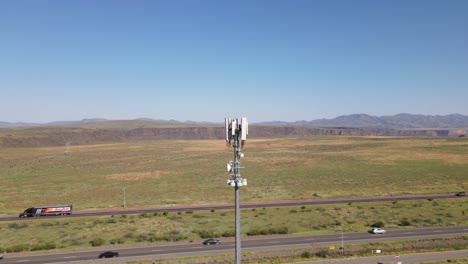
column 27, row 213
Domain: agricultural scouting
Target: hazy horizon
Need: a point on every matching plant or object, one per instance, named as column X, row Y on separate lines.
column 202, row 121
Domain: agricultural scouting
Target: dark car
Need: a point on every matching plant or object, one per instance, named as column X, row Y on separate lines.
column 211, row 241
column 109, row 254
column 460, row 194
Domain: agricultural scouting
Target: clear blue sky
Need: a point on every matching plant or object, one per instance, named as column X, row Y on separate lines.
column 204, row 60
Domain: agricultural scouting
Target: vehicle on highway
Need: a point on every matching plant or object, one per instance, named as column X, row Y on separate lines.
column 109, row 254
column 47, row 211
column 460, row 194
column 211, row 241
column 377, row 231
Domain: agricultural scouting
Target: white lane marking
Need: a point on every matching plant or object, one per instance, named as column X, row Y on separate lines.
column 197, row 247
column 437, row 231
column 309, row 239
column 406, row 233
column 272, row 242
column 70, row 257
column 156, row 250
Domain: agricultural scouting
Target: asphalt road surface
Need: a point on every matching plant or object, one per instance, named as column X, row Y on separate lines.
column 246, row 205
column 168, row 250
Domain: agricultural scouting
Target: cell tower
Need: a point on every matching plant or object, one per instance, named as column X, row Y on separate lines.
column 236, row 135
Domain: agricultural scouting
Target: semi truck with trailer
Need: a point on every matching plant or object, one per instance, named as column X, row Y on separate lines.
column 47, row 211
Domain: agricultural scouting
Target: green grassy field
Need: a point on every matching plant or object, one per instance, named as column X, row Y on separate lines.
column 167, row 173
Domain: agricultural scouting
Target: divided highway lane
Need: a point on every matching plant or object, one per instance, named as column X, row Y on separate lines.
column 248, row 244
column 249, row 205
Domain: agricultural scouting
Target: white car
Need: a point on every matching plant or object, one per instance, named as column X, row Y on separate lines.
column 377, row 231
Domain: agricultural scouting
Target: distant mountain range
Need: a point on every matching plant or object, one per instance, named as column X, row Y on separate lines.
column 399, row 121
column 57, row 123
column 96, row 131
column 83, row 122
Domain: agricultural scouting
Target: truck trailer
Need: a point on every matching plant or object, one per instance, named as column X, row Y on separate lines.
column 47, row 211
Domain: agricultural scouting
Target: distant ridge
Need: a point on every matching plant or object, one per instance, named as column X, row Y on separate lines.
column 55, row 123
column 399, row 121
column 91, row 121
column 97, row 131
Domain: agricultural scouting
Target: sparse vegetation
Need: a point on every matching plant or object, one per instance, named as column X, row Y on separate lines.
column 97, row 242
column 131, row 229
column 156, row 173
column 378, row 224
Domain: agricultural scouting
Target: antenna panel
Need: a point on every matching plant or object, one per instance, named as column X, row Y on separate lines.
column 245, row 128
column 226, row 127
column 233, row 126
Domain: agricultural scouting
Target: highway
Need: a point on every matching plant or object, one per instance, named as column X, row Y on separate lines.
column 248, row 243
column 196, row 248
column 246, row 205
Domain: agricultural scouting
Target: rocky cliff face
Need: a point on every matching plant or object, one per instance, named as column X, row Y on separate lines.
column 41, row 137
column 300, row 131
